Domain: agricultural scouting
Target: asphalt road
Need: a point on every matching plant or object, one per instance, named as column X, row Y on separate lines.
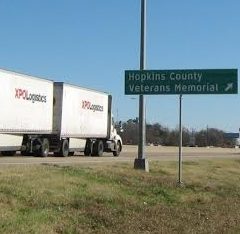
column 129, row 153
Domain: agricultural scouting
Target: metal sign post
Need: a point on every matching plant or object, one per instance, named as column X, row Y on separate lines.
column 141, row 162
column 180, row 142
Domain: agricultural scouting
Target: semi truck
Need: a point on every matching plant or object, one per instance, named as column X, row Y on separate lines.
column 42, row 116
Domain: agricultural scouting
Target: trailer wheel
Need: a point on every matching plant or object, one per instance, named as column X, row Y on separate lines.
column 64, row 148
column 118, row 149
column 26, row 149
column 98, row 148
column 44, row 149
column 88, row 148
column 8, row 153
column 87, row 151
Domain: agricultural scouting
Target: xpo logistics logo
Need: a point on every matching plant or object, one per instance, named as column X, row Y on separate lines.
column 87, row 105
column 28, row 96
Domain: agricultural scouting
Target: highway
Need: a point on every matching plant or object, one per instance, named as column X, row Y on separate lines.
column 129, row 153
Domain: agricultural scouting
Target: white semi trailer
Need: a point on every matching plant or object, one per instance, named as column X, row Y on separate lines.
column 26, row 103
column 42, row 116
column 82, row 121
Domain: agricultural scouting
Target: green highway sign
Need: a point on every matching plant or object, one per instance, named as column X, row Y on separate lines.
column 194, row 81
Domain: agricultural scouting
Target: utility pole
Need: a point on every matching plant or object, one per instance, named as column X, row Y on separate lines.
column 141, row 162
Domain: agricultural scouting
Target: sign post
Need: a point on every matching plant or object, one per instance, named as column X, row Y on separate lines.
column 180, row 142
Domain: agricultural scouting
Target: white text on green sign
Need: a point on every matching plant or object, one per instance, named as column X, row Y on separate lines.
column 208, row 81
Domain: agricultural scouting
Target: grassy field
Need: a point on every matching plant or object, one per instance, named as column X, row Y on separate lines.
column 118, row 199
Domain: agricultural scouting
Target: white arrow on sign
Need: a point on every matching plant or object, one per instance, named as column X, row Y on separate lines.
column 229, row 86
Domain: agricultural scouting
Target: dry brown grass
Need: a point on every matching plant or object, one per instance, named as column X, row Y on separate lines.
column 118, row 199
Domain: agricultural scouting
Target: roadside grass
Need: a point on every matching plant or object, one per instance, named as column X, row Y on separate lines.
column 119, row 199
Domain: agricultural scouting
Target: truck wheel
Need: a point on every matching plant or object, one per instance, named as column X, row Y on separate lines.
column 98, row 148
column 87, row 151
column 44, row 149
column 65, row 148
column 26, row 150
column 8, row 153
column 88, row 148
column 118, row 149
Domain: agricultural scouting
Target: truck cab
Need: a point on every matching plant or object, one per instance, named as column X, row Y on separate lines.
column 113, row 143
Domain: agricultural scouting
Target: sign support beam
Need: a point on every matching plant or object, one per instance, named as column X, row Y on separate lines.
column 141, row 162
column 180, row 143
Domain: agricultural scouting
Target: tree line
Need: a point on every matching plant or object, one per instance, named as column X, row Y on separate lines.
column 157, row 134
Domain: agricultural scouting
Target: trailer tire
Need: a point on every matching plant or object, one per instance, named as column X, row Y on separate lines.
column 118, row 149
column 98, row 148
column 87, row 151
column 64, row 148
column 88, row 148
column 8, row 153
column 44, row 149
column 26, row 149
